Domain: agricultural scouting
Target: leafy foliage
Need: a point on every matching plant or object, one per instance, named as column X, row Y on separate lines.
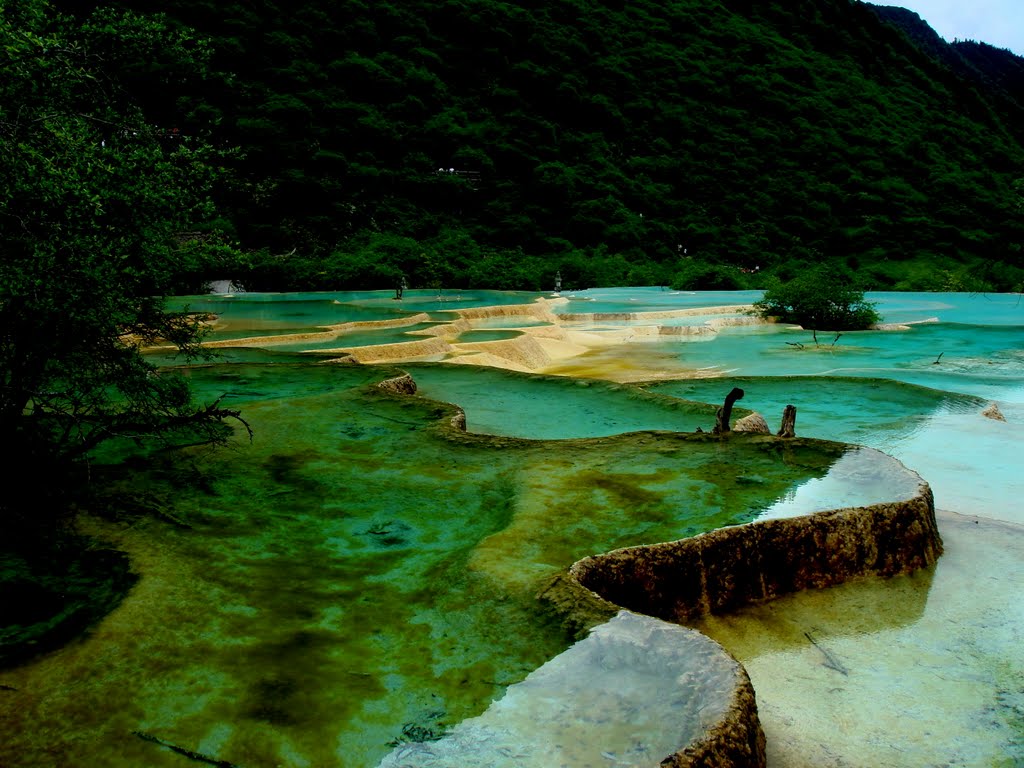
column 747, row 134
column 93, row 199
column 821, row 299
column 698, row 276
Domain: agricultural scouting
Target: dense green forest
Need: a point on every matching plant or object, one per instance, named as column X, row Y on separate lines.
column 93, row 204
column 704, row 144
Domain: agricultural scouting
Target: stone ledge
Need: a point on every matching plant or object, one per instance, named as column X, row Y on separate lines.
column 403, row 385
column 635, row 689
column 678, row 582
column 726, row 568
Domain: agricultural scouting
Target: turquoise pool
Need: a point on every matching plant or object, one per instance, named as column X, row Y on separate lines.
column 348, row 582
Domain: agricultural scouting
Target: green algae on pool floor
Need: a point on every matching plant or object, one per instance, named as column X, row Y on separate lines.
column 635, row 690
column 353, row 578
column 55, row 585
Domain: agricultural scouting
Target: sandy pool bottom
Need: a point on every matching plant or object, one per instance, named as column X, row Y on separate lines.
column 920, row 670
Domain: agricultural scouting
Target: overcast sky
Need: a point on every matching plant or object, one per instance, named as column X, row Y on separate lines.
column 996, row 22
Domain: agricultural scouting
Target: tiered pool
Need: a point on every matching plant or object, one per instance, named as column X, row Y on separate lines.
column 360, row 580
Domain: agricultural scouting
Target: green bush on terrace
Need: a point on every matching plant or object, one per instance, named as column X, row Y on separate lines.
column 822, row 299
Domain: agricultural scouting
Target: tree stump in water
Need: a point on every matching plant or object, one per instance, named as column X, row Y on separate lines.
column 725, row 412
column 788, row 427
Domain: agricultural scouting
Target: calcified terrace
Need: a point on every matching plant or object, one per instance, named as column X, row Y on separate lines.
column 546, row 342
column 710, row 573
column 318, row 533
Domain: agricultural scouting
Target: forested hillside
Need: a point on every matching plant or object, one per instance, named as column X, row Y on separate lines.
column 998, row 72
column 476, row 142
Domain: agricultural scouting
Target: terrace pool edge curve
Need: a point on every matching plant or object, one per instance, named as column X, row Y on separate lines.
column 722, row 570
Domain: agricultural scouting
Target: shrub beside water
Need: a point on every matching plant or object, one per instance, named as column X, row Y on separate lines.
column 825, row 298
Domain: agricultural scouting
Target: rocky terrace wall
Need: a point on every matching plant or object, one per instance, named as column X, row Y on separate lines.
column 726, row 568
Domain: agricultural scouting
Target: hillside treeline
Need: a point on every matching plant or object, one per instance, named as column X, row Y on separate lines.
column 705, row 144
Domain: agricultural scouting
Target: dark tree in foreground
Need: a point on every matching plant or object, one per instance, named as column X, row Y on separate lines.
column 93, row 198
column 821, row 299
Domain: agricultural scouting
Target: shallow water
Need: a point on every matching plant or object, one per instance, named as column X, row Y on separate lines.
column 632, row 691
column 500, row 402
column 252, row 314
column 487, row 335
column 351, row 580
column 967, row 459
column 927, row 671
column 331, row 601
column 245, row 315
column 499, row 323
column 649, row 299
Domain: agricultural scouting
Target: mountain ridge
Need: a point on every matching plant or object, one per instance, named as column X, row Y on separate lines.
column 472, row 142
column 998, row 70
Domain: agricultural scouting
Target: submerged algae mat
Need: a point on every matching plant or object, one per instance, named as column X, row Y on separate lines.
column 357, row 576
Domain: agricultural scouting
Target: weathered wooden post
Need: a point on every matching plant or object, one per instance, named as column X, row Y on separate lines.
column 788, row 428
column 725, row 412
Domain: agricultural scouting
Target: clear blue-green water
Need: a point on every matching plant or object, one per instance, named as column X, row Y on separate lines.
column 865, row 411
column 358, row 338
column 867, row 388
column 487, row 335
column 506, row 403
column 506, row 323
column 349, row 303
column 354, row 579
column 963, row 358
column 251, row 314
column 242, row 315
column 649, row 299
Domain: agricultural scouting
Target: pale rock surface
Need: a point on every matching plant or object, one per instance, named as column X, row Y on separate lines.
column 755, row 423
column 993, row 412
